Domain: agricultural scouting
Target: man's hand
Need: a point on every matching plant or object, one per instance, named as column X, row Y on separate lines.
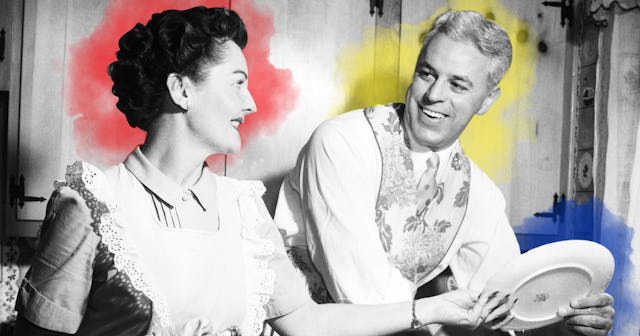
column 591, row 316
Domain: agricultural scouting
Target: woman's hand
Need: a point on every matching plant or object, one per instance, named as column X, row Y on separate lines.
column 469, row 309
column 496, row 309
column 457, row 307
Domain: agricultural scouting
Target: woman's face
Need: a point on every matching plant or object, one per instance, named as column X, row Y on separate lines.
column 221, row 101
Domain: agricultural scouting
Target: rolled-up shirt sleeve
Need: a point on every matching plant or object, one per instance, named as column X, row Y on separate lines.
column 336, row 181
column 55, row 290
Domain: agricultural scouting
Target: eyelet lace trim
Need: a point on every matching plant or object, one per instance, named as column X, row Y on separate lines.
column 93, row 187
column 260, row 279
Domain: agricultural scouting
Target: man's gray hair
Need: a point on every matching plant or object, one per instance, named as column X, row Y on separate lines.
column 489, row 38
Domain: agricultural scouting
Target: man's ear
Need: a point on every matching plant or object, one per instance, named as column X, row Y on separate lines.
column 179, row 90
column 488, row 101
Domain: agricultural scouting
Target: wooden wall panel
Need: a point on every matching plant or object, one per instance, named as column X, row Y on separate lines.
column 310, row 38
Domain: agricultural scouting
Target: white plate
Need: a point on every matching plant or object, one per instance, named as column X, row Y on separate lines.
column 550, row 276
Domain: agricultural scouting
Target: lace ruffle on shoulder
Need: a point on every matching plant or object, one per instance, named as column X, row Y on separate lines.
column 260, row 278
column 93, row 187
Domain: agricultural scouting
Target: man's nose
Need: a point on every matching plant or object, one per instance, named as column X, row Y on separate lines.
column 437, row 91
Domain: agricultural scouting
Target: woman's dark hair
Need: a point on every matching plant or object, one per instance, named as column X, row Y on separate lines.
column 174, row 41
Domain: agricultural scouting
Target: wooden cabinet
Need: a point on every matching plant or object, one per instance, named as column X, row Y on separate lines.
column 320, row 43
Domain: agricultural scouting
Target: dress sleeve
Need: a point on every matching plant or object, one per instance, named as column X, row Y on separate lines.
column 55, row 290
column 289, row 288
column 337, row 185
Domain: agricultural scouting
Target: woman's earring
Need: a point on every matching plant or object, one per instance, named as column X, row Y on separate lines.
column 188, row 104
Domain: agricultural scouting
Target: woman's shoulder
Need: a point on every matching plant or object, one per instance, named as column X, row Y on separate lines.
column 84, row 191
column 231, row 185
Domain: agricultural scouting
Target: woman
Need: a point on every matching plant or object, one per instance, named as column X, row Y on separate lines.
column 159, row 245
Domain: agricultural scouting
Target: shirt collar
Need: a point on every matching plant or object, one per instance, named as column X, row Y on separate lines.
column 419, row 159
column 167, row 189
column 444, row 154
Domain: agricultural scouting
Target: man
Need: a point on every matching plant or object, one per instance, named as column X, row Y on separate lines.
column 385, row 199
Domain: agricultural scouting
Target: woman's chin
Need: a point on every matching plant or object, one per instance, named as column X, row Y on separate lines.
column 231, row 149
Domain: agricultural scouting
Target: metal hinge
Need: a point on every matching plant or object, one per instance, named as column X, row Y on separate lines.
column 557, row 210
column 376, row 5
column 16, row 193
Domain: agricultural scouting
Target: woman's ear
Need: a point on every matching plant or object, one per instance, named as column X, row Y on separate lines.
column 179, row 91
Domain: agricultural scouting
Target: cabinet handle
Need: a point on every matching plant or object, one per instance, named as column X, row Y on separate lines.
column 16, row 192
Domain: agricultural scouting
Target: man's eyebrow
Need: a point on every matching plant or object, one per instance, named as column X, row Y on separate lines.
column 425, row 64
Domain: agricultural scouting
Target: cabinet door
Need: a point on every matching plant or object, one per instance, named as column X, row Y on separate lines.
column 10, row 52
column 40, row 134
column 540, row 159
column 41, row 139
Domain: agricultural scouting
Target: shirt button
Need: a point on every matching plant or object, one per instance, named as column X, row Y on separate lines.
column 185, row 196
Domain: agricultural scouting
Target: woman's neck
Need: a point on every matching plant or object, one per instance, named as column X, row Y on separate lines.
column 172, row 152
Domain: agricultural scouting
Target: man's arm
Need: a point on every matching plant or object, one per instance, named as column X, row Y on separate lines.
column 488, row 241
column 337, row 179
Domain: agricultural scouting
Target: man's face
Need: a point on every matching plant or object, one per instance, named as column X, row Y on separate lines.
column 449, row 86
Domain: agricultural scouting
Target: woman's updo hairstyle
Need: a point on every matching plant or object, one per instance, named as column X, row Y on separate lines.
column 181, row 42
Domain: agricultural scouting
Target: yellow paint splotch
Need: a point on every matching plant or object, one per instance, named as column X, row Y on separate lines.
column 380, row 69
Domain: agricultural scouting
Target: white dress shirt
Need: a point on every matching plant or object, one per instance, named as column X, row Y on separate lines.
column 327, row 203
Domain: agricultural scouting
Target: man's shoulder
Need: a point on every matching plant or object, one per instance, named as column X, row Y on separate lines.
column 346, row 127
column 349, row 124
column 483, row 184
column 345, row 120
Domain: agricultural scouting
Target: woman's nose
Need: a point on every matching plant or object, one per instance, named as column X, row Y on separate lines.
column 249, row 105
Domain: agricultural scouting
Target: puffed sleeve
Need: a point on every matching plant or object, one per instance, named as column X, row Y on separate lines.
column 55, row 290
column 290, row 290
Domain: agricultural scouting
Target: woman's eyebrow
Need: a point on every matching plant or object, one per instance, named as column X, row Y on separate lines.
column 242, row 72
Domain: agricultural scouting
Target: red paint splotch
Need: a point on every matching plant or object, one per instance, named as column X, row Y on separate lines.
column 102, row 134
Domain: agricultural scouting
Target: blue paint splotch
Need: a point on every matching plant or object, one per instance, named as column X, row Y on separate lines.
column 593, row 221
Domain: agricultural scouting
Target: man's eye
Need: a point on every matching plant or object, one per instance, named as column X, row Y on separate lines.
column 458, row 87
column 426, row 75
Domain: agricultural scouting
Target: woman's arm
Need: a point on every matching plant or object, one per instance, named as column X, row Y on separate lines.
column 461, row 307
column 59, row 279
